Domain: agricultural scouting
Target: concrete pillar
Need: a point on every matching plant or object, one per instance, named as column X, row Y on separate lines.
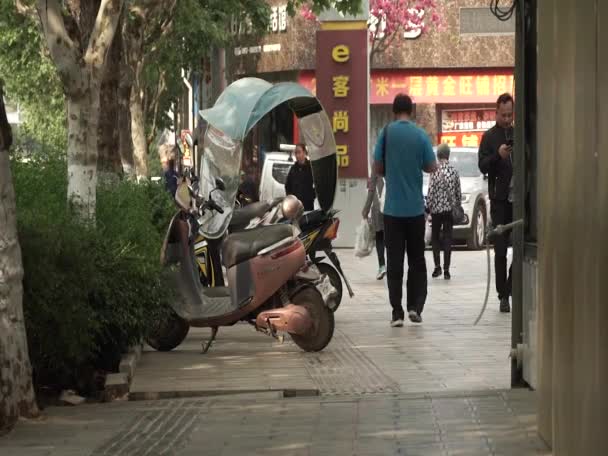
column 573, row 204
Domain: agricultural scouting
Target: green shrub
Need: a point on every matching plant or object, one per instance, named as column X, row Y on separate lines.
column 89, row 291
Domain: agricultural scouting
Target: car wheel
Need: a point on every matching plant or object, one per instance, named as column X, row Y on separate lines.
column 477, row 236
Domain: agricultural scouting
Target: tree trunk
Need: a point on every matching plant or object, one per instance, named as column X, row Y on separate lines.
column 83, row 123
column 133, row 37
column 16, row 390
column 80, row 58
column 109, row 160
column 138, row 133
column 124, row 130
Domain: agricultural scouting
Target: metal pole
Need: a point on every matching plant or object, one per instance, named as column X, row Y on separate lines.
column 519, row 179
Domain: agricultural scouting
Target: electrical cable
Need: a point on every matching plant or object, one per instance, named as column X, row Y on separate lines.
column 500, row 229
column 502, row 14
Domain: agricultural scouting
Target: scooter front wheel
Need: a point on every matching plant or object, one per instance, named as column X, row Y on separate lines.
column 322, row 329
column 169, row 333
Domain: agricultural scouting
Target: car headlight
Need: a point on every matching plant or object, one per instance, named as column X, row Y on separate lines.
column 465, row 197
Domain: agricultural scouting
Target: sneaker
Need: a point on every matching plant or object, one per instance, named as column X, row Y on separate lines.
column 504, row 305
column 436, row 272
column 381, row 273
column 414, row 317
column 446, row 275
column 397, row 323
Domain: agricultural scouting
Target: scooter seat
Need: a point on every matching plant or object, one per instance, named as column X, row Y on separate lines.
column 242, row 246
column 241, row 217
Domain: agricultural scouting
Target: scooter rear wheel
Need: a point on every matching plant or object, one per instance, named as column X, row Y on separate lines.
column 336, row 282
column 168, row 334
column 322, row 330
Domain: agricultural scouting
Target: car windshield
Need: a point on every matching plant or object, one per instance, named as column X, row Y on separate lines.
column 465, row 163
column 280, row 171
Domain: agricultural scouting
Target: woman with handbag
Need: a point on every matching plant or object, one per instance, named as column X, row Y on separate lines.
column 444, row 203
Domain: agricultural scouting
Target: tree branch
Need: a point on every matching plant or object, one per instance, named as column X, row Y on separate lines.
column 162, row 10
column 103, row 32
column 63, row 50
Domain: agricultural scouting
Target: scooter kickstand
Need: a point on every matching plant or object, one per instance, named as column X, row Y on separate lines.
column 207, row 345
column 273, row 333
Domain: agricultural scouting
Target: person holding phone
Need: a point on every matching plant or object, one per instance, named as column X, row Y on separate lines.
column 495, row 151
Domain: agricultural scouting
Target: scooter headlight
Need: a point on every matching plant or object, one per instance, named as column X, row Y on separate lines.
column 292, row 208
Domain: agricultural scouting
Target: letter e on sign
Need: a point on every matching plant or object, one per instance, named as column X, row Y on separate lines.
column 340, row 53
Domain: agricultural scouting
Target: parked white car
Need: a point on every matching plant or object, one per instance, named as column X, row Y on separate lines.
column 475, row 200
column 274, row 174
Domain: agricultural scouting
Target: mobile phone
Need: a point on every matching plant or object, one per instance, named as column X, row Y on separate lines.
column 509, row 142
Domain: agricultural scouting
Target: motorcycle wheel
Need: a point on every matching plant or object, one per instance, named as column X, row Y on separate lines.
column 168, row 334
column 322, row 329
column 336, row 282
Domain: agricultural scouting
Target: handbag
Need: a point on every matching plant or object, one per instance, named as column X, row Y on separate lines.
column 457, row 214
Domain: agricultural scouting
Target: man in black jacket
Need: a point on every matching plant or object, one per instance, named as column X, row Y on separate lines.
column 495, row 160
column 299, row 180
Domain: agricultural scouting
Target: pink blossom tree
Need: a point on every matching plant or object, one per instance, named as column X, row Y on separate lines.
column 390, row 19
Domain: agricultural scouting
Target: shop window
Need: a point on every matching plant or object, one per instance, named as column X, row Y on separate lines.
column 481, row 21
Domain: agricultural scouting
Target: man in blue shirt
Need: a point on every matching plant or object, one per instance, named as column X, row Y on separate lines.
column 403, row 151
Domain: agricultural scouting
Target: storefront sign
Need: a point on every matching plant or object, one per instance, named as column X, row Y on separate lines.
column 257, row 49
column 278, row 19
column 467, row 120
column 461, row 139
column 341, row 85
column 479, row 86
column 277, row 22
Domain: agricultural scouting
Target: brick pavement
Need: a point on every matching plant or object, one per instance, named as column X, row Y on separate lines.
column 366, row 356
column 446, row 424
column 434, row 389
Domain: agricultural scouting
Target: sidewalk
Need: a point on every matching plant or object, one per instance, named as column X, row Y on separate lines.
column 448, row 424
column 440, row 388
column 366, row 356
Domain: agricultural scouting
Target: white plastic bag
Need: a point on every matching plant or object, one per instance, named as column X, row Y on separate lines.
column 364, row 241
column 427, row 232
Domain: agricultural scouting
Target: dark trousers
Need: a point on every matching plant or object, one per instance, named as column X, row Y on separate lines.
column 502, row 213
column 405, row 234
column 380, row 248
column 442, row 223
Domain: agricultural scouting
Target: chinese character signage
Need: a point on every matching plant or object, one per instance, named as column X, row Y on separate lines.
column 461, row 138
column 278, row 19
column 277, row 22
column 481, row 86
column 467, row 120
column 340, row 83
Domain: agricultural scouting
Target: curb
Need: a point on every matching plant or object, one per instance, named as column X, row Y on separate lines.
column 284, row 393
column 117, row 385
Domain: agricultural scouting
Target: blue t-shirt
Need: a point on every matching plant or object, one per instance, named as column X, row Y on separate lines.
column 408, row 151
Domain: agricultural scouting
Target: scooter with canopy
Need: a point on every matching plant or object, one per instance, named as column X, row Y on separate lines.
column 270, row 283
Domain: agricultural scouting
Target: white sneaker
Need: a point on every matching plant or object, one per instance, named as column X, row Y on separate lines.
column 397, row 323
column 381, row 273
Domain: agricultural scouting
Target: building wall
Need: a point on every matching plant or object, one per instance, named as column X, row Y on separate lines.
column 573, row 204
column 438, row 47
